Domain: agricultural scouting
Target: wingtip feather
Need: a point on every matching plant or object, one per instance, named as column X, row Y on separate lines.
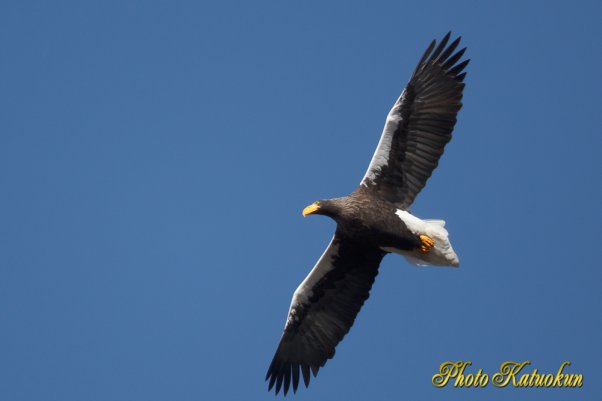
column 441, row 46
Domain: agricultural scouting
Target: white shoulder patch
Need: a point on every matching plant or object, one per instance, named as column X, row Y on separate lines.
column 383, row 150
column 324, row 265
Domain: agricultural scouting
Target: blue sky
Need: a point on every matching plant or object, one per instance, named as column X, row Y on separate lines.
column 155, row 158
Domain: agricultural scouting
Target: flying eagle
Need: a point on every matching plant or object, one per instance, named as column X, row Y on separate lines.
column 374, row 220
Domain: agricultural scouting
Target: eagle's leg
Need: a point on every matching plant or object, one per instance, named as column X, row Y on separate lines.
column 426, row 243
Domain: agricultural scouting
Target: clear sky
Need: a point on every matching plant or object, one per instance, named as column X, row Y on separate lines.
column 155, row 158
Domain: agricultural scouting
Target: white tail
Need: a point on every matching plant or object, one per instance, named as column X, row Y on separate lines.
column 435, row 221
column 442, row 253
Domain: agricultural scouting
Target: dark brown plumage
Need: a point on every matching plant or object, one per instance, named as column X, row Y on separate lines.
column 374, row 221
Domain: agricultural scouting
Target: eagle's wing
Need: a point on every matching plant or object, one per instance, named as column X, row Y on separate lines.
column 322, row 311
column 418, row 126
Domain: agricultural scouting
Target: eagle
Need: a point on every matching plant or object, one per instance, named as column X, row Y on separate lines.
column 375, row 220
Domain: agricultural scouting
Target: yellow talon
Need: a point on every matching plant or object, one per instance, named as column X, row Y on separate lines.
column 427, row 243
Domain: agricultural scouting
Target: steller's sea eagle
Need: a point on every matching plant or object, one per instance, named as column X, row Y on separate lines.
column 374, row 220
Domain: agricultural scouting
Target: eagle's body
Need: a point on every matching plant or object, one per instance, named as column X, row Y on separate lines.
column 370, row 220
column 379, row 223
column 374, row 220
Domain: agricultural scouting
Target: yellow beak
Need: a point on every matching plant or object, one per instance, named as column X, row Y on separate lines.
column 310, row 209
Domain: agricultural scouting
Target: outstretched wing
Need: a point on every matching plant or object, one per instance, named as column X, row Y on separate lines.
column 418, row 126
column 323, row 310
